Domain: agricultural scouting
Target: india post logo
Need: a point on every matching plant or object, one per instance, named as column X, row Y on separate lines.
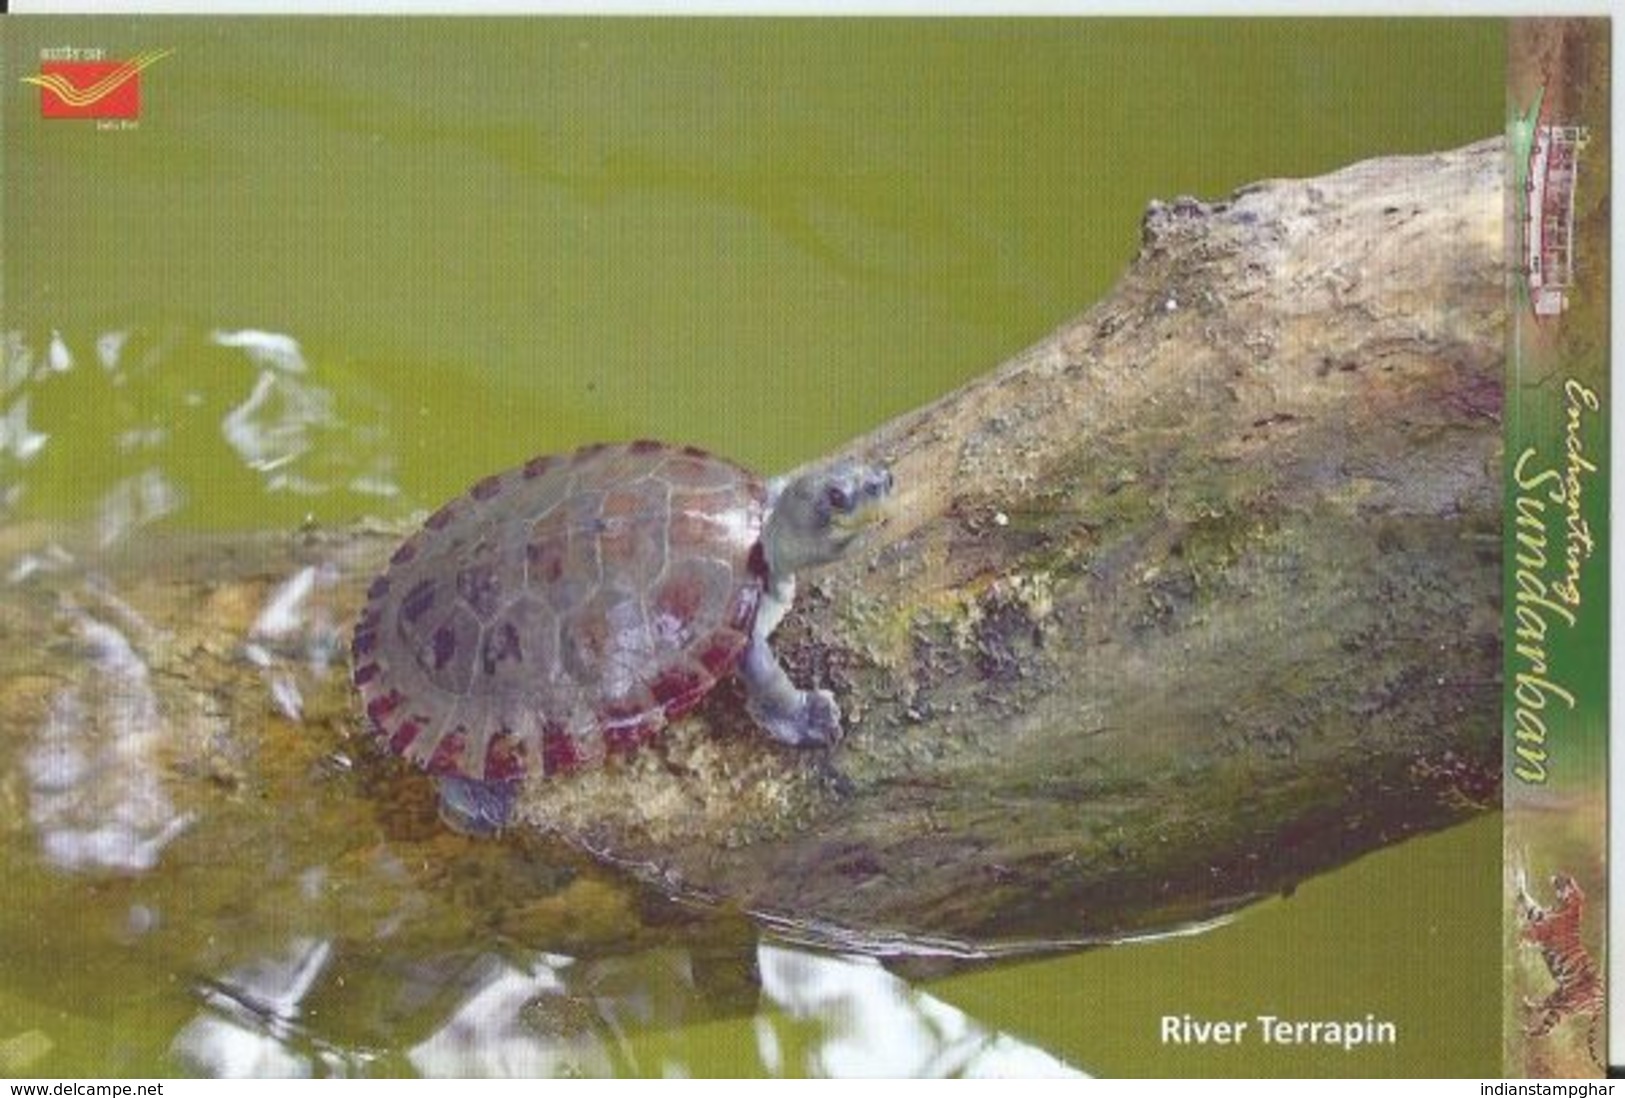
column 95, row 88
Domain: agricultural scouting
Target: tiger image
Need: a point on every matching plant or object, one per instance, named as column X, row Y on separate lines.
column 1556, row 931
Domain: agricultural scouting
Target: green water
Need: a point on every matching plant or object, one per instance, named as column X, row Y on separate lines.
column 342, row 268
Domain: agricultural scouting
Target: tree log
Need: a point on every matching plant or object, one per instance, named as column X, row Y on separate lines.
column 1196, row 598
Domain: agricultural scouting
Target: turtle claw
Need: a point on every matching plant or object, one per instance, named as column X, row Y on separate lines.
column 814, row 720
column 821, row 719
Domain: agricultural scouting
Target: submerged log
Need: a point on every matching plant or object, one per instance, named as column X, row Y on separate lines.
column 1192, row 600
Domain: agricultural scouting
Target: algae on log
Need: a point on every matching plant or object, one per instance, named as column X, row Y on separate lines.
column 1194, row 599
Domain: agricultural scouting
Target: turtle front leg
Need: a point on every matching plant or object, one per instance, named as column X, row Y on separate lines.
column 800, row 718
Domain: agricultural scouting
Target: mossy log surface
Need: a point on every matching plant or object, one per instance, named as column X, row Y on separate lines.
column 1196, row 598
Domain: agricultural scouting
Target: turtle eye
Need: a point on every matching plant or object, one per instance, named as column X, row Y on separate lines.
column 838, row 498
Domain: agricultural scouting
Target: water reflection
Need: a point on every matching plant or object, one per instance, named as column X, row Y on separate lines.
column 136, row 501
column 869, row 1022
column 16, row 436
column 139, row 424
column 546, row 1015
column 297, row 623
column 524, row 1022
column 251, row 1027
column 282, row 418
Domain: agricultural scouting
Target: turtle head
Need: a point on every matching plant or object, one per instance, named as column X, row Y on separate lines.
column 817, row 516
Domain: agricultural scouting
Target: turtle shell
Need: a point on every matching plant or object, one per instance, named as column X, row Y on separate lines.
column 562, row 611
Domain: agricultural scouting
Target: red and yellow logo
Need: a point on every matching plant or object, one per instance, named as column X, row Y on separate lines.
column 93, row 89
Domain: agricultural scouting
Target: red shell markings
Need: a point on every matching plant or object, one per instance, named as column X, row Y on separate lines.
column 561, row 611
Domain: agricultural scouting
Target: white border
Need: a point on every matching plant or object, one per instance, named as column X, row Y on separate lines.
column 1396, row 8
column 1490, row 8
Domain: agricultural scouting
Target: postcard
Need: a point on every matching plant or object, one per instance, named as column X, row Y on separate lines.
column 769, row 546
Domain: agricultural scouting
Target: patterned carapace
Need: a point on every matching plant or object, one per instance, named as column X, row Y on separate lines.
column 562, row 610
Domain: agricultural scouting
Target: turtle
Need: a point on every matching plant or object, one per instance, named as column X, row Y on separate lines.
column 566, row 610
